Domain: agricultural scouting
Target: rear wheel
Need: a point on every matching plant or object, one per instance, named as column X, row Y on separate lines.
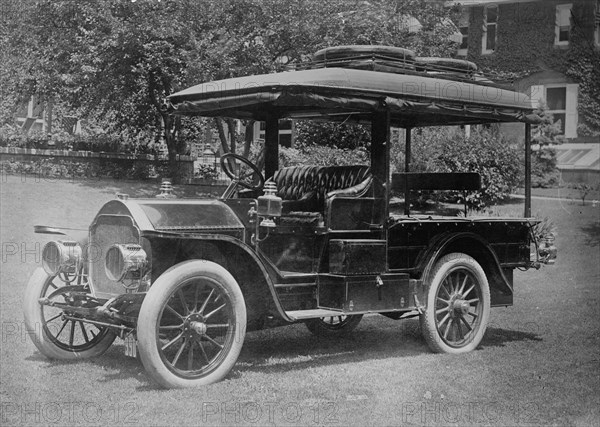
column 333, row 326
column 57, row 333
column 458, row 305
column 192, row 325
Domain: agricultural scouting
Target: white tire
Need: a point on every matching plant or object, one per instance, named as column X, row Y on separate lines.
column 53, row 335
column 458, row 305
column 192, row 325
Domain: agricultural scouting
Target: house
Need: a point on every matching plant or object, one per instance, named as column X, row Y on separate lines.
column 547, row 48
column 34, row 115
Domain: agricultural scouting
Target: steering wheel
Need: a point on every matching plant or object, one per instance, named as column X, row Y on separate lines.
column 248, row 175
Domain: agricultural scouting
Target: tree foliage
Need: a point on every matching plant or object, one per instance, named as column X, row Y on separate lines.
column 582, row 66
column 114, row 61
column 546, row 134
column 338, row 135
column 321, row 155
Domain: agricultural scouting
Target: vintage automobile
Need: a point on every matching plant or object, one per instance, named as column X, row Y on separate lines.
column 182, row 280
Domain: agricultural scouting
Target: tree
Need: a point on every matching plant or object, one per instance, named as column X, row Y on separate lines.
column 107, row 59
column 116, row 61
column 262, row 36
column 296, row 29
column 543, row 162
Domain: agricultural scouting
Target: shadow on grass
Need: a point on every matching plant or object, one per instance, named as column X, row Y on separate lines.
column 116, row 365
column 293, row 348
column 498, row 337
column 592, row 232
column 298, row 349
column 283, row 352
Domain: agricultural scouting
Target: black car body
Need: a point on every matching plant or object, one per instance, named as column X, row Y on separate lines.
column 182, row 280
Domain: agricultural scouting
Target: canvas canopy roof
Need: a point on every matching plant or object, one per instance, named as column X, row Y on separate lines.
column 352, row 95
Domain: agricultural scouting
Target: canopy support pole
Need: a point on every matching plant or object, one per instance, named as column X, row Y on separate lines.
column 380, row 164
column 407, row 155
column 527, row 170
column 271, row 145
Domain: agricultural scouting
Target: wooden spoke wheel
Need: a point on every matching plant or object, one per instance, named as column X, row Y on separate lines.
column 334, row 325
column 57, row 333
column 458, row 305
column 192, row 325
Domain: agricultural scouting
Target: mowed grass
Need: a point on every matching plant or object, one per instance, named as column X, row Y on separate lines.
column 539, row 362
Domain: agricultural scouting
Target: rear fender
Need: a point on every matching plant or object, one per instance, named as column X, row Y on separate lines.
column 500, row 280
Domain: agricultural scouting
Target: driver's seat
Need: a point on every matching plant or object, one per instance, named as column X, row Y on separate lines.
column 307, row 188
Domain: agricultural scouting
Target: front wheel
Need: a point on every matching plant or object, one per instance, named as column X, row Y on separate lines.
column 458, row 305
column 192, row 325
column 57, row 333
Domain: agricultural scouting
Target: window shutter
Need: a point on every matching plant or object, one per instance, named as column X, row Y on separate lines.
column 571, row 118
column 537, row 94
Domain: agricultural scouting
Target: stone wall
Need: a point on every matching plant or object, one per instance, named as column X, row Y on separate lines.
column 186, row 163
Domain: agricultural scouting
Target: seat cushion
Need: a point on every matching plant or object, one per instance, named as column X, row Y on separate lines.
column 305, row 188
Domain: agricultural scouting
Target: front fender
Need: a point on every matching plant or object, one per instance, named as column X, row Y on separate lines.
column 170, row 248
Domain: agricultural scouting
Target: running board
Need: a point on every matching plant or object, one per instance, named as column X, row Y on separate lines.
column 312, row 314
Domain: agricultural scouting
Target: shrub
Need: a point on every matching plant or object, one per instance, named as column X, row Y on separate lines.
column 584, row 189
column 141, row 171
column 544, row 173
column 485, row 152
column 12, row 136
column 51, row 168
column 337, row 135
column 321, row 156
column 207, row 172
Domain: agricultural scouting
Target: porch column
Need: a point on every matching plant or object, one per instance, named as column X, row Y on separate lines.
column 527, row 213
column 271, row 145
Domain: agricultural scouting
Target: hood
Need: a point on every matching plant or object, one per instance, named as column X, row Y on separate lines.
column 175, row 215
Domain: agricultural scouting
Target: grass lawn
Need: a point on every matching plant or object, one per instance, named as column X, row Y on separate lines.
column 539, row 362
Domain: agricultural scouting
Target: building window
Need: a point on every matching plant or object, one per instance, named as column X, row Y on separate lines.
column 463, row 27
column 561, row 101
column 464, row 44
column 556, row 98
column 287, row 130
column 562, row 26
column 490, row 29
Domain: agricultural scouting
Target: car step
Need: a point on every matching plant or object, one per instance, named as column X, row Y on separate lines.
column 312, row 314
